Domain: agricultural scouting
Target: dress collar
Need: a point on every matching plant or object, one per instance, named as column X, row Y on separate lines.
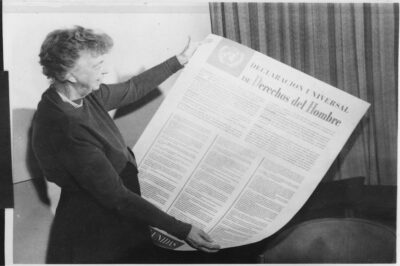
column 77, row 103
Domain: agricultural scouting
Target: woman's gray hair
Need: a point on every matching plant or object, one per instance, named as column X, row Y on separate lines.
column 61, row 49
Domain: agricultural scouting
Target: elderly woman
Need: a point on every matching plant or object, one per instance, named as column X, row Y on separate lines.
column 101, row 217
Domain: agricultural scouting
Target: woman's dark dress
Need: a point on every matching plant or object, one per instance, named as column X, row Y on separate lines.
column 101, row 217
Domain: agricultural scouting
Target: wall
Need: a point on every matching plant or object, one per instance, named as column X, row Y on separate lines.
column 143, row 34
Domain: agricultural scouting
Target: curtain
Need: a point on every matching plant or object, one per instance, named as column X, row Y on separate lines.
column 352, row 46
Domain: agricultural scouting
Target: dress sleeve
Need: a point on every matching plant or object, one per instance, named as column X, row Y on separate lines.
column 93, row 172
column 117, row 95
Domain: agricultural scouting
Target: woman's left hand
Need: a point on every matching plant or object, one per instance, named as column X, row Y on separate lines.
column 200, row 240
column 188, row 51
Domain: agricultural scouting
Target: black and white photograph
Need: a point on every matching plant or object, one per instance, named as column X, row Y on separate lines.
column 194, row 132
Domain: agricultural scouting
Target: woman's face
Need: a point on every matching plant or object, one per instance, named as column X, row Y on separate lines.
column 88, row 72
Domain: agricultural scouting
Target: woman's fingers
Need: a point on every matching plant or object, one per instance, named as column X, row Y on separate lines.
column 188, row 51
column 187, row 44
column 200, row 240
column 205, row 236
column 208, row 249
column 208, row 242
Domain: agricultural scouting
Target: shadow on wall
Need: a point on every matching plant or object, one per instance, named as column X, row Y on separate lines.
column 25, row 165
column 36, row 173
column 32, row 197
column 126, row 110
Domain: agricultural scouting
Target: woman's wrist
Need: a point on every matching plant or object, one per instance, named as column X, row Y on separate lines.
column 183, row 60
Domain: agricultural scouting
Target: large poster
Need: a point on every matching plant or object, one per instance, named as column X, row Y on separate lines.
column 240, row 143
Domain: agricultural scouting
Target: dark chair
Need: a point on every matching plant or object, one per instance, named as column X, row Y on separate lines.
column 333, row 240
